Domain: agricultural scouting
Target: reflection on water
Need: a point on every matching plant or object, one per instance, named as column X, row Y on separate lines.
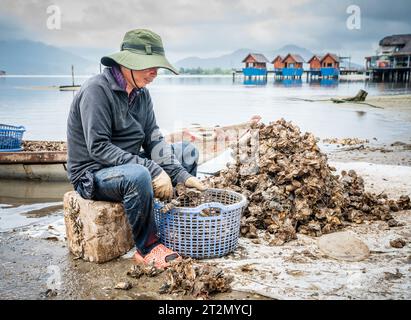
column 390, row 87
column 19, row 216
column 361, row 113
column 288, row 83
column 27, row 203
column 256, row 82
column 19, row 192
column 329, row 82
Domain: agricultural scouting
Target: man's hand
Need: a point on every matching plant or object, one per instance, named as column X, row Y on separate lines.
column 193, row 182
column 163, row 189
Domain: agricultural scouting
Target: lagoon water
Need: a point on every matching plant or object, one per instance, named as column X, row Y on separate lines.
column 32, row 210
column 180, row 101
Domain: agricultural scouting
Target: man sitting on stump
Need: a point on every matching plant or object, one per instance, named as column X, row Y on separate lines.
column 115, row 149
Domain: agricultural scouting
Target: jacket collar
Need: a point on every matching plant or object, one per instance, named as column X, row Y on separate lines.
column 112, row 81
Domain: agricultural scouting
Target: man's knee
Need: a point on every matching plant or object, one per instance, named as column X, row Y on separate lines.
column 138, row 176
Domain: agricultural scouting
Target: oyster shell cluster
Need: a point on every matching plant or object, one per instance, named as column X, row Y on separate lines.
column 138, row 270
column 198, row 280
column 36, row 146
column 345, row 141
column 291, row 188
column 360, row 205
column 185, row 277
column 189, row 197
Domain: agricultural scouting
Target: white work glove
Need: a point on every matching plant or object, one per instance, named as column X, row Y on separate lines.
column 163, row 189
column 193, row 182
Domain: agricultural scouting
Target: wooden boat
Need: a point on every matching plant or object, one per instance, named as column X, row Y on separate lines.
column 72, row 87
column 51, row 165
column 69, row 88
column 42, row 165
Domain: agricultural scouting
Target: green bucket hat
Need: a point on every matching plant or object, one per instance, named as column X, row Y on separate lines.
column 140, row 49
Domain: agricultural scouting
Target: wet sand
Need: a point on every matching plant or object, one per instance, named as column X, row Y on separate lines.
column 400, row 104
column 32, row 267
column 388, row 152
column 396, row 153
column 40, row 269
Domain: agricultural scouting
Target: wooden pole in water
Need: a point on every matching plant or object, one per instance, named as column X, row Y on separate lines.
column 72, row 74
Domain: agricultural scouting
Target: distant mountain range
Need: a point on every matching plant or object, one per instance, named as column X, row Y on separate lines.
column 234, row 60
column 30, row 57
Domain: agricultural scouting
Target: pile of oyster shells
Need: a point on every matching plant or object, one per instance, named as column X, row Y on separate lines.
column 201, row 281
column 291, row 188
column 185, row 277
column 39, row 145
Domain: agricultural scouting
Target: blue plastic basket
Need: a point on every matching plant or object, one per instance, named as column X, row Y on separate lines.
column 11, row 138
column 185, row 230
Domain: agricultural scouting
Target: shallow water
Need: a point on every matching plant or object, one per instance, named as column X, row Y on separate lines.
column 181, row 101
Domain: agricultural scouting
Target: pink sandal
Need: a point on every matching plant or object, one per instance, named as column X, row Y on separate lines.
column 160, row 255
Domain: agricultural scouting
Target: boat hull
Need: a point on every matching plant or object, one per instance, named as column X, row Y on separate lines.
column 40, row 172
column 43, row 166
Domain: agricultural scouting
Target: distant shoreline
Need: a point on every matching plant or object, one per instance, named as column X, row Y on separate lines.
column 91, row 75
column 44, row 76
column 361, row 78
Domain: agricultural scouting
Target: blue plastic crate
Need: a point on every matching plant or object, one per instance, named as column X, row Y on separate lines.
column 11, row 138
column 186, row 231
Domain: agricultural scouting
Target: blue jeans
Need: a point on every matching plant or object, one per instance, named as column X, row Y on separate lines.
column 131, row 185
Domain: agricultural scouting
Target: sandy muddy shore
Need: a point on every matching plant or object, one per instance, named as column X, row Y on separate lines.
column 400, row 104
column 30, row 265
column 35, row 262
column 396, row 153
column 41, row 269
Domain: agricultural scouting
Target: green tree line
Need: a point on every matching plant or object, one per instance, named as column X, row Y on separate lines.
column 201, row 71
column 204, row 71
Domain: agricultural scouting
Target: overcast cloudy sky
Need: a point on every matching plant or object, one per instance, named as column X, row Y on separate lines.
column 210, row 28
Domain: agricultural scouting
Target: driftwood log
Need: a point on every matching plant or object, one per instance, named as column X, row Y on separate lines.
column 359, row 97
